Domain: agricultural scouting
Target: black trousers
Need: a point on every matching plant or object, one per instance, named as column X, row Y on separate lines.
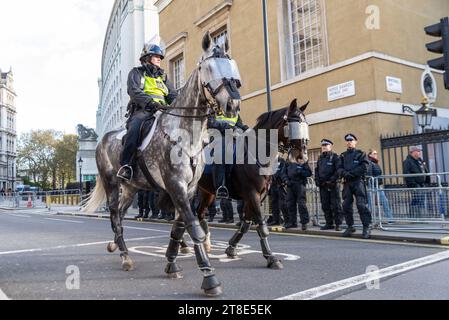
column 153, row 199
column 132, row 136
column 356, row 189
column 143, row 201
column 227, row 209
column 331, row 205
column 296, row 201
column 278, row 203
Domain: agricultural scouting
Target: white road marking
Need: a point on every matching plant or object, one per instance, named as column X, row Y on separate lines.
column 367, row 278
column 75, row 245
column 63, row 220
column 19, row 215
column 146, row 229
column 3, row 296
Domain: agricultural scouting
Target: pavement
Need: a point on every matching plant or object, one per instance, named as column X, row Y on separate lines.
column 45, row 255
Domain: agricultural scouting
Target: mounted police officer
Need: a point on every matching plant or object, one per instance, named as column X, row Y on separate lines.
column 221, row 172
column 295, row 176
column 149, row 90
column 326, row 178
column 353, row 168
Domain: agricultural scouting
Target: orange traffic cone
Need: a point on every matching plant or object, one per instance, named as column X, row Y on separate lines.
column 29, row 204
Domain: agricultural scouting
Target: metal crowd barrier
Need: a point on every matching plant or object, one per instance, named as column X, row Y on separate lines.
column 398, row 208
column 40, row 199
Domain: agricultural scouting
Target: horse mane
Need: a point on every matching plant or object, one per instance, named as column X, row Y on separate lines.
column 274, row 118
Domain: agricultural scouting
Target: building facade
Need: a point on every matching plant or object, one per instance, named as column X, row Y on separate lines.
column 357, row 61
column 8, row 133
column 131, row 24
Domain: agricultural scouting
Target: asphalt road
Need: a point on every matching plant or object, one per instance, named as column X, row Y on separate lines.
column 40, row 254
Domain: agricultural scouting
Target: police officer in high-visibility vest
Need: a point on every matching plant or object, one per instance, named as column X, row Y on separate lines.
column 149, row 90
column 223, row 170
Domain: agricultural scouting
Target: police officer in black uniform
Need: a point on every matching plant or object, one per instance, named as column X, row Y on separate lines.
column 326, row 178
column 353, row 168
column 143, row 201
column 295, row 175
column 277, row 196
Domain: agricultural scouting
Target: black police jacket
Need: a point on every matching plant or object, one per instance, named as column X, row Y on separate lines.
column 413, row 166
column 353, row 165
column 326, row 171
column 139, row 99
column 295, row 172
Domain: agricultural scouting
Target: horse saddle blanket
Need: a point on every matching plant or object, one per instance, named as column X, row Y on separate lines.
column 146, row 131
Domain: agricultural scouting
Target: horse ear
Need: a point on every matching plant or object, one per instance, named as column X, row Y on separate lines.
column 304, row 107
column 206, row 41
column 293, row 106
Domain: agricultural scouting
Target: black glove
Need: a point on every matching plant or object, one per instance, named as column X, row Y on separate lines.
column 348, row 175
column 153, row 106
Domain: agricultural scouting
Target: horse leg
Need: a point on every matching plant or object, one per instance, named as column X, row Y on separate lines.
column 210, row 285
column 126, row 200
column 231, row 251
column 206, row 201
column 173, row 270
column 262, row 231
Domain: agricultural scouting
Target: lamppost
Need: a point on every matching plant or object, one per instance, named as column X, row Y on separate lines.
column 80, row 164
column 424, row 116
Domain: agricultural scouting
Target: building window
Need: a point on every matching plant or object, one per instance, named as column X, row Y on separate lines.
column 178, row 71
column 306, row 40
column 220, row 36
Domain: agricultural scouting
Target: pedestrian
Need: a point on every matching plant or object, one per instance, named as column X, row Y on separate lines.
column 327, row 179
column 414, row 164
column 295, row 176
column 353, row 168
column 278, row 197
column 143, row 201
column 374, row 170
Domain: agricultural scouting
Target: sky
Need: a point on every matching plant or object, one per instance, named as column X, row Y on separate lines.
column 54, row 48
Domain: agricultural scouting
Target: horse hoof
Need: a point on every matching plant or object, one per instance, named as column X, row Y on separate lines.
column 211, row 286
column 127, row 264
column 231, row 252
column 185, row 250
column 275, row 264
column 214, row 292
column 175, row 275
column 112, row 247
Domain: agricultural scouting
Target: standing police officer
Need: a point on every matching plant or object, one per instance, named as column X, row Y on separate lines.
column 326, row 178
column 353, row 168
column 295, row 176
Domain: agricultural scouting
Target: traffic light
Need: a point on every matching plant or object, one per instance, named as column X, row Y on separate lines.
column 440, row 30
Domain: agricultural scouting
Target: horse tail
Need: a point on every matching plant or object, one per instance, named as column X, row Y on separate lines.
column 95, row 199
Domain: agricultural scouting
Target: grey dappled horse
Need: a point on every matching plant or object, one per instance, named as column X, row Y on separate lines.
column 212, row 87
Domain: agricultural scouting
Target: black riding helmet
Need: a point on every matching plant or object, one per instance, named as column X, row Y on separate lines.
column 151, row 50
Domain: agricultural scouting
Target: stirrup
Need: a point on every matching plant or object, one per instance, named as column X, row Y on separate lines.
column 122, row 170
column 222, row 193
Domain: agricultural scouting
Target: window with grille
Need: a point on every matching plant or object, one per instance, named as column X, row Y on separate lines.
column 307, row 35
column 219, row 37
column 178, row 72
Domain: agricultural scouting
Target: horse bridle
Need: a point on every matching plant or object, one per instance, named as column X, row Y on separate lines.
column 295, row 130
